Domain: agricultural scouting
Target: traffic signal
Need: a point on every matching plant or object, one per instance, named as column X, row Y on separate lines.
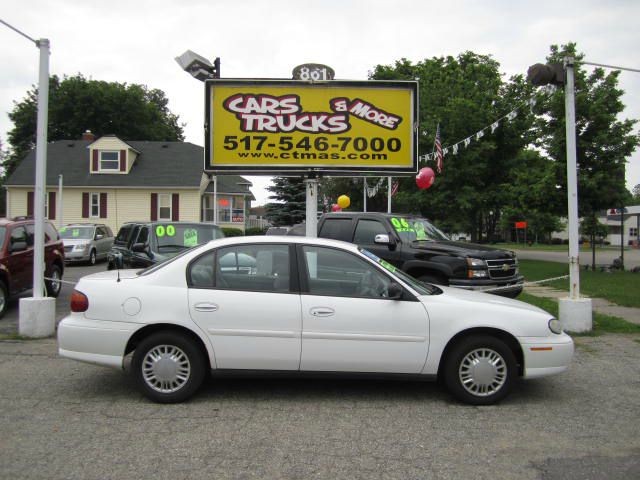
column 540, row 74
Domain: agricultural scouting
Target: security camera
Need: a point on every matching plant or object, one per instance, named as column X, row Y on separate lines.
column 198, row 66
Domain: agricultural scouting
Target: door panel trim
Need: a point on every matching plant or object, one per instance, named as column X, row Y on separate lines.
column 360, row 337
column 232, row 332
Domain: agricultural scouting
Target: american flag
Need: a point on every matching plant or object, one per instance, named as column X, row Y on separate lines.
column 438, row 147
column 394, row 188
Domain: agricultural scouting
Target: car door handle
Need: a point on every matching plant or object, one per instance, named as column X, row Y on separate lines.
column 322, row 312
column 205, row 307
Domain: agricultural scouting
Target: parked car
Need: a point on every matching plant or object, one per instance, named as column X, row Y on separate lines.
column 417, row 247
column 141, row 244
column 86, row 242
column 16, row 258
column 309, row 305
column 277, row 230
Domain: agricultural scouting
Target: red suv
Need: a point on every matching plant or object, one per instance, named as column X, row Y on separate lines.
column 16, row 258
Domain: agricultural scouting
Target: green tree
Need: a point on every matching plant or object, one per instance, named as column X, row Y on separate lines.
column 290, row 206
column 464, row 95
column 604, row 142
column 635, row 194
column 76, row 104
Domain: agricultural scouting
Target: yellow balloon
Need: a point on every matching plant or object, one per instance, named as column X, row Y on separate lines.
column 344, row 201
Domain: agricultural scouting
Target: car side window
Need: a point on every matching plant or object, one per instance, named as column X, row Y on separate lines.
column 261, row 268
column 337, row 229
column 336, row 273
column 31, row 233
column 200, row 272
column 143, row 236
column 19, row 234
column 123, row 235
column 366, row 231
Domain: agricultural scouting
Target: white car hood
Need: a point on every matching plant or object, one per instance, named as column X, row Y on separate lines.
column 488, row 298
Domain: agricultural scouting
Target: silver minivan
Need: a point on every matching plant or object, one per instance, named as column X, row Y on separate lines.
column 86, row 242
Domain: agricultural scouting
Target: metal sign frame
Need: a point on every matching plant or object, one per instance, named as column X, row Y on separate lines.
column 403, row 165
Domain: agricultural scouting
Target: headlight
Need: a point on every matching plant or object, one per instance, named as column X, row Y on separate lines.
column 555, row 326
column 478, row 274
column 476, row 262
column 80, row 247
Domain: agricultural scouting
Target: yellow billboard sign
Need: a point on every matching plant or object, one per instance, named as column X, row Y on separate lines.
column 287, row 126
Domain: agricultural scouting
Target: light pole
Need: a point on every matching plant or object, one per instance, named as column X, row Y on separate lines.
column 575, row 312
column 202, row 69
column 37, row 314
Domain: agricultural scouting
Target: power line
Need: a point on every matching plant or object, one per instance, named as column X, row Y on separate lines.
column 18, row 31
column 612, row 66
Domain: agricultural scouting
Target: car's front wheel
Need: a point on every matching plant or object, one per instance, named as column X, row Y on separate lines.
column 480, row 370
column 4, row 298
column 168, row 367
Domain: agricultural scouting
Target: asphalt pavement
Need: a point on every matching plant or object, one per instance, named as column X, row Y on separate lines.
column 63, row 419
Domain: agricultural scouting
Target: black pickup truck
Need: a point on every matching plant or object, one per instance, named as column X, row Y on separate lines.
column 418, row 248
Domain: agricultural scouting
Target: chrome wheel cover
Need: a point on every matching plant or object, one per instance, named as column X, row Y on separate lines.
column 166, row 368
column 55, row 285
column 3, row 299
column 482, row 372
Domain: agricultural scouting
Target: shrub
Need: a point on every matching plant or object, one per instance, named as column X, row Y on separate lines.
column 255, row 231
column 232, row 232
column 556, row 241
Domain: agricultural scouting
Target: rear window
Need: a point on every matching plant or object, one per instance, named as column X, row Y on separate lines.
column 51, row 234
column 336, row 229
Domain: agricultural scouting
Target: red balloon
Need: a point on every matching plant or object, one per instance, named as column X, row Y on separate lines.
column 425, row 178
column 335, row 208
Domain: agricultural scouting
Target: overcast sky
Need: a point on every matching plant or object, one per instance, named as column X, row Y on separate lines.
column 135, row 41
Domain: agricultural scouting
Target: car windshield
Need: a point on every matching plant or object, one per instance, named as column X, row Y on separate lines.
column 172, row 238
column 76, row 233
column 414, row 228
column 420, row 287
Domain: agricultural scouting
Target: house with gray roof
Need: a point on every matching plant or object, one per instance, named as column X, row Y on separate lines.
column 112, row 181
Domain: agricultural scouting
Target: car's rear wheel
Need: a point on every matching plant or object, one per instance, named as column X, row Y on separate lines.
column 53, row 286
column 168, row 367
column 480, row 370
column 92, row 257
column 4, row 299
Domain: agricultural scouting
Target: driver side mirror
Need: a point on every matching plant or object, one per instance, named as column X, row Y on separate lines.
column 99, row 236
column 383, row 239
column 394, row 291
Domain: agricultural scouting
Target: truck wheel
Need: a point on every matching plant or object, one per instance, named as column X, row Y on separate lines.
column 480, row 370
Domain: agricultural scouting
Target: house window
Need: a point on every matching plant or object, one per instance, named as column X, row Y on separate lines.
column 207, row 208
column 230, row 209
column 109, row 161
column 94, row 205
column 164, row 206
column 633, row 232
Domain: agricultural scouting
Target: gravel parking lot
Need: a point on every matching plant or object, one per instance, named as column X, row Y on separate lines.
column 66, row 420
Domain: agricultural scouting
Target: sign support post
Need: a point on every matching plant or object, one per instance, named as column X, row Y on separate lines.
column 312, row 207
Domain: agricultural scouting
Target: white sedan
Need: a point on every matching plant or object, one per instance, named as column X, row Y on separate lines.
column 305, row 306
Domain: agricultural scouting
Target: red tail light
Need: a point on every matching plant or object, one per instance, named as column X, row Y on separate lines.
column 79, row 302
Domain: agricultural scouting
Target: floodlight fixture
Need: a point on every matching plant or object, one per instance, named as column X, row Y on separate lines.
column 199, row 67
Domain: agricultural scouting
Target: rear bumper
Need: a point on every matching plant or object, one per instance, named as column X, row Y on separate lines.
column 546, row 356
column 94, row 341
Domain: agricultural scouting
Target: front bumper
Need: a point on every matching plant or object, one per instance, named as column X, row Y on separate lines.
column 546, row 356
column 77, row 256
column 94, row 341
column 509, row 286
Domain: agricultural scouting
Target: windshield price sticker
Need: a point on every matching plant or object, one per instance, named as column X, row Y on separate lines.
column 401, row 225
column 75, row 232
column 190, row 237
column 169, row 231
column 63, row 229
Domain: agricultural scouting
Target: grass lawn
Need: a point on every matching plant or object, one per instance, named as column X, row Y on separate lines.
column 551, row 248
column 621, row 288
column 601, row 323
